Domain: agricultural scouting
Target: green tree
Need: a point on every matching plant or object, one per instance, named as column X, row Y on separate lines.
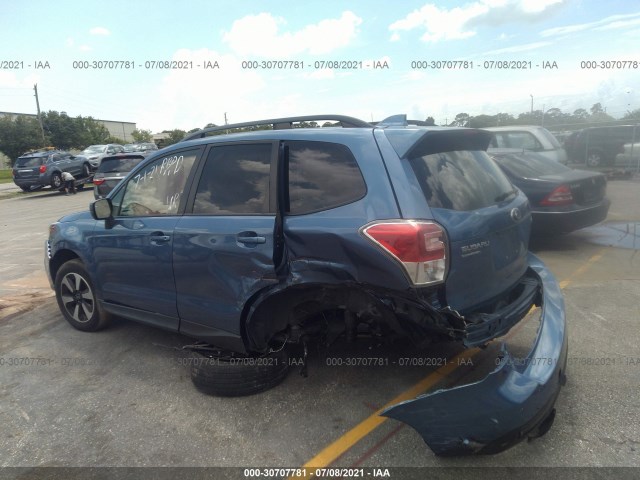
column 19, row 135
column 462, row 119
column 430, row 121
column 66, row 132
column 174, row 137
column 633, row 116
column 142, row 135
column 482, row 121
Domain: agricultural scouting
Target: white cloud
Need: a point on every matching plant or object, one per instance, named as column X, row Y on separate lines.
column 99, row 31
column 459, row 23
column 192, row 98
column 261, row 36
column 518, row 48
column 620, row 24
column 614, row 21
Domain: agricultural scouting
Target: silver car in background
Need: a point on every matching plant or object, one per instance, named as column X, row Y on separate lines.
column 95, row 153
column 529, row 137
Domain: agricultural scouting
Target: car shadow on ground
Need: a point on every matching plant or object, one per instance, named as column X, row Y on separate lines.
column 555, row 243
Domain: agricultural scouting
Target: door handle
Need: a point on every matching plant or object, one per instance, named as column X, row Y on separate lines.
column 160, row 239
column 251, row 240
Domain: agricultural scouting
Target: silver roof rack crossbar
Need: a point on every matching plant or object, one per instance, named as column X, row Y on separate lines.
column 283, row 123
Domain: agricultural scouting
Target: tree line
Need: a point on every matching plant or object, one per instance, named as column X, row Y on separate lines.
column 552, row 119
column 62, row 131
column 23, row 133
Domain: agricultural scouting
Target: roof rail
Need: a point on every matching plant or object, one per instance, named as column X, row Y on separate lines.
column 282, row 124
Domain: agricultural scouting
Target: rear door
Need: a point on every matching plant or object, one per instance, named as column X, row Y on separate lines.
column 223, row 248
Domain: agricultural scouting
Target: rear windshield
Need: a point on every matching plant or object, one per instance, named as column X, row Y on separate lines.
column 530, row 165
column 118, row 165
column 29, row 162
column 462, row 180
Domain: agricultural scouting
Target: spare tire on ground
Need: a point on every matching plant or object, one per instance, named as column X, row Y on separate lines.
column 227, row 375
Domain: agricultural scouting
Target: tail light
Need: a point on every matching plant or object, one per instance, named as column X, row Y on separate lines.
column 420, row 246
column 560, row 196
column 98, row 181
column 43, row 168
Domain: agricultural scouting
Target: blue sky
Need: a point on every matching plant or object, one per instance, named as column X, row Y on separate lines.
column 566, row 32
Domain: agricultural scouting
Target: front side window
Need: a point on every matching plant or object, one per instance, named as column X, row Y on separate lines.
column 322, row 175
column 235, row 180
column 158, row 188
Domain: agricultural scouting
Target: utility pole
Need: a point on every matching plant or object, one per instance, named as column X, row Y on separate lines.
column 35, row 88
column 225, row 119
column 531, row 104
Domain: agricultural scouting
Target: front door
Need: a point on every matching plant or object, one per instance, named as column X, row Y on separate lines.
column 133, row 255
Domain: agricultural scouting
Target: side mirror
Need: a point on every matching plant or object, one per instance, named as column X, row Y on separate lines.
column 101, row 209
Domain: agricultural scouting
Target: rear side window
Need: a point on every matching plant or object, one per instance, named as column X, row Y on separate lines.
column 29, row 162
column 462, row 180
column 322, row 175
column 235, row 180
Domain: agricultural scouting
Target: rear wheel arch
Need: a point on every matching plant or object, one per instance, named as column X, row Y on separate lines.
column 273, row 312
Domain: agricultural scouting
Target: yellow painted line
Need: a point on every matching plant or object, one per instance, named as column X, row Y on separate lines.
column 580, row 271
column 353, row 436
column 337, row 448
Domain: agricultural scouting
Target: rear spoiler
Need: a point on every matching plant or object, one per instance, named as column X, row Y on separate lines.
column 418, row 142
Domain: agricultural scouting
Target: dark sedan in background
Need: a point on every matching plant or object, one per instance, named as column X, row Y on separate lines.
column 112, row 170
column 562, row 199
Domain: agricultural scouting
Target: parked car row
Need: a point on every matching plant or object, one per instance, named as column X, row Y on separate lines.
column 40, row 168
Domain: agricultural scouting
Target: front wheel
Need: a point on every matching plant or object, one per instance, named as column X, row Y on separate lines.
column 86, row 170
column 77, row 299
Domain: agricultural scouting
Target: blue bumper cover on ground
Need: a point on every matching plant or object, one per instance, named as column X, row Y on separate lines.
column 513, row 402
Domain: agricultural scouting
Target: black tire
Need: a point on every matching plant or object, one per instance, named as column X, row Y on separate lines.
column 80, row 187
column 56, row 181
column 86, row 170
column 77, row 299
column 239, row 376
column 595, row 158
column 26, row 189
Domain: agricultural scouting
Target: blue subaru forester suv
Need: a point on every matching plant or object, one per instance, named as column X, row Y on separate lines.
column 249, row 237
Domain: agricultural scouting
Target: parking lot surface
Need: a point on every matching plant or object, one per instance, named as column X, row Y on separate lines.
column 123, row 396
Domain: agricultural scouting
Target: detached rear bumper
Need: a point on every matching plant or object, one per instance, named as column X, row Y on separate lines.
column 513, row 402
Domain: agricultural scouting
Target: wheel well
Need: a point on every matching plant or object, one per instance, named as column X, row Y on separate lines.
column 61, row 257
column 296, row 308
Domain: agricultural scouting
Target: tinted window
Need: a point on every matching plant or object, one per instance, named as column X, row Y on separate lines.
column 322, row 176
column 158, row 187
column 463, row 180
column 29, row 162
column 118, row 165
column 235, row 180
column 530, row 165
